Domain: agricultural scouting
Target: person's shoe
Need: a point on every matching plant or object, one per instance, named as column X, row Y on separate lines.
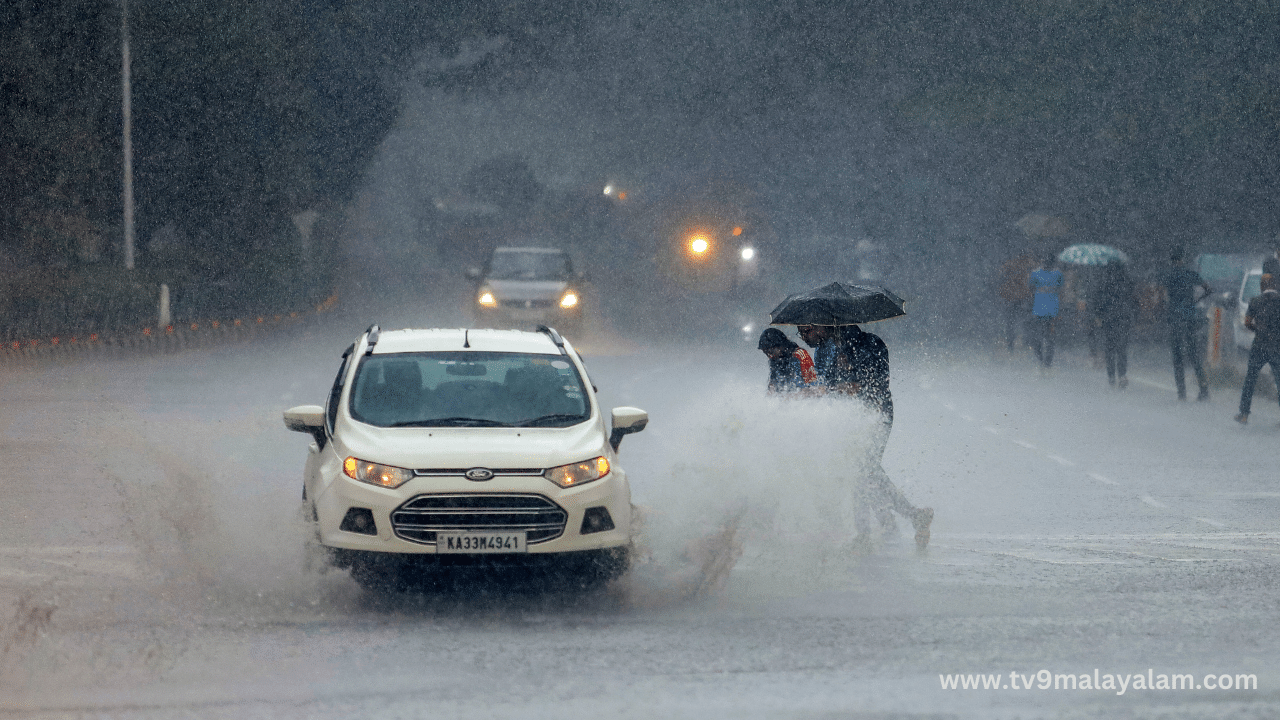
column 1204, row 394
column 1243, row 418
column 1182, row 394
column 921, row 521
column 1124, row 382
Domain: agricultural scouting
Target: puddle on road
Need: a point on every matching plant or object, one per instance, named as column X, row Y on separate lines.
column 219, row 546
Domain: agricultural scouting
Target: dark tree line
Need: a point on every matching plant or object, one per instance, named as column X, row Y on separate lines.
column 1130, row 115
column 245, row 114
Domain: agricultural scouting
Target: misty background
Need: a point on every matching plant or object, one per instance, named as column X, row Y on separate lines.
column 285, row 152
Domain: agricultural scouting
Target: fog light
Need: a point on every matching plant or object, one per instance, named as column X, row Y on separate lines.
column 596, row 520
column 359, row 521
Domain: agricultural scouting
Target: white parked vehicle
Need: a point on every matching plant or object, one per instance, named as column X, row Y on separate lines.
column 1250, row 288
column 448, row 450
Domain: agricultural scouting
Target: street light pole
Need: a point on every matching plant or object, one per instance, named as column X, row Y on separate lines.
column 126, row 110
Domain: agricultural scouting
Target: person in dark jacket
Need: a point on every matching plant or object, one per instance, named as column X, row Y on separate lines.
column 1263, row 318
column 855, row 364
column 1181, row 283
column 1115, row 305
column 790, row 367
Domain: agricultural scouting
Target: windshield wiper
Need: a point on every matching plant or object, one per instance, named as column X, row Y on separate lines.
column 550, row 418
column 458, row 421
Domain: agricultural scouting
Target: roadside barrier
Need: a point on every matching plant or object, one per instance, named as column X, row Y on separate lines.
column 176, row 337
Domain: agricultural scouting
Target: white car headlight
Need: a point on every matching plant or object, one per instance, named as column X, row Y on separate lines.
column 376, row 474
column 569, row 299
column 575, row 474
column 487, row 299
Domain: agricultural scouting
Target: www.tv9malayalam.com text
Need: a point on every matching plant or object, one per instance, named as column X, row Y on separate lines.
column 1119, row 683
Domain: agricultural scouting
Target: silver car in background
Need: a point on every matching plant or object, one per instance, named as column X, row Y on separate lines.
column 523, row 287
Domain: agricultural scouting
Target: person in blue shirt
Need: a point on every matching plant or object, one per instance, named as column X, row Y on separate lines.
column 1180, row 284
column 1046, row 282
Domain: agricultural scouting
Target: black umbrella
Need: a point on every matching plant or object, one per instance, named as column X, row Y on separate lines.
column 838, row 304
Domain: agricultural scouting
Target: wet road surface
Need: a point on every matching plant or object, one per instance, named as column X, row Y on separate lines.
column 151, row 559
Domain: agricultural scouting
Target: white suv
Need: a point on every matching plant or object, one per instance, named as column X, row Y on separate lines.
column 460, row 449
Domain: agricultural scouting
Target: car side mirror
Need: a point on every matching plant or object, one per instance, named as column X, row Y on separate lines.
column 306, row 419
column 473, row 274
column 626, row 420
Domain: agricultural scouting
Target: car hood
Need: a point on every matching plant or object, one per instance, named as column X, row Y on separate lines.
column 527, row 289
column 455, row 448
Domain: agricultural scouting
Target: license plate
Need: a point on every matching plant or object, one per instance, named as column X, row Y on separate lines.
column 470, row 543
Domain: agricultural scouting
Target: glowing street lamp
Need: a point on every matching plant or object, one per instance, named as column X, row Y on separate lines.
column 699, row 245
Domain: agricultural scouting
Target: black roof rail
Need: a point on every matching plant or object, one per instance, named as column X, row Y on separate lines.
column 555, row 337
column 372, row 334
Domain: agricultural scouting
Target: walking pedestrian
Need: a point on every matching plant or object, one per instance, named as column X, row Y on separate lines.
column 1180, row 284
column 1015, row 294
column 1263, row 318
column 1045, row 283
column 855, row 364
column 1271, row 265
column 790, row 367
column 1115, row 304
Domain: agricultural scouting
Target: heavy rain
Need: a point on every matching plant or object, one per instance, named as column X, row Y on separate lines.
column 207, row 210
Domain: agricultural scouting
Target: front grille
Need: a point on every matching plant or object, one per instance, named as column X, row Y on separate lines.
column 419, row 519
column 527, row 303
column 462, row 472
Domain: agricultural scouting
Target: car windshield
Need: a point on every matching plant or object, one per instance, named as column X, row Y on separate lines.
column 526, row 265
column 468, row 389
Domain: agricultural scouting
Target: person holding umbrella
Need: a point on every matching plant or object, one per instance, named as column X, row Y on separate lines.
column 1045, row 282
column 790, row 367
column 1114, row 308
column 855, row 364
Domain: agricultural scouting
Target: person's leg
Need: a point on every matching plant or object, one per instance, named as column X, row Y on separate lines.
column 1011, row 314
column 1109, row 351
column 881, row 487
column 1175, row 345
column 1122, row 355
column 1037, row 337
column 1197, row 363
column 1050, row 322
column 1257, row 359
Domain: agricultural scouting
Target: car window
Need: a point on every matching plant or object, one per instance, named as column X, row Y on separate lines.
column 514, row 265
column 468, row 389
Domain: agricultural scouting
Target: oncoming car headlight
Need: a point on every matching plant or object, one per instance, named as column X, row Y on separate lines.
column 570, row 299
column 575, row 474
column 375, row 474
column 487, row 299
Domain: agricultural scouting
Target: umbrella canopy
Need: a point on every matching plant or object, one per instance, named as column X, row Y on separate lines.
column 1039, row 225
column 838, row 304
column 1092, row 254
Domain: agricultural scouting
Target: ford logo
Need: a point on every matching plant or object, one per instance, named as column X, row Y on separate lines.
column 479, row 474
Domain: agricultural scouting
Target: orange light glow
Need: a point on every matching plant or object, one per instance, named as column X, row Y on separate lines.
column 737, row 231
column 622, row 195
column 602, row 466
column 699, row 245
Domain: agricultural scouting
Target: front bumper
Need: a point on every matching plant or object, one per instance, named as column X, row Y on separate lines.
column 405, row 520
column 517, row 314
